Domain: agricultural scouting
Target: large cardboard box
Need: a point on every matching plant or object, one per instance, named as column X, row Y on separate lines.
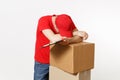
column 58, row 74
column 73, row 58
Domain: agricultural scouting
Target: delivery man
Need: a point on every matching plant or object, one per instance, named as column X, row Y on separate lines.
column 52, row 29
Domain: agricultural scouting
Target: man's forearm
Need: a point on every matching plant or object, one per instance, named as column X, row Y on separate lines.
column 51, row 36
column 55, row 38
column 75, row 39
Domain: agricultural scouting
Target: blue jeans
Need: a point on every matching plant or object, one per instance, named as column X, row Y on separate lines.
column 41, row 71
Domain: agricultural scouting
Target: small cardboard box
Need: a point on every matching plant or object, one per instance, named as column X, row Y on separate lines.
column 58, row 74
column 73, row 58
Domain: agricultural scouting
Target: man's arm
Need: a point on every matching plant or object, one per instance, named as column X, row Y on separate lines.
column 51, row 36
column 57, row 37
column 74, row 39
column 78, row 36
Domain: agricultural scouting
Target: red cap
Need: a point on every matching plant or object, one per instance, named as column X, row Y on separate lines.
column 63, row 23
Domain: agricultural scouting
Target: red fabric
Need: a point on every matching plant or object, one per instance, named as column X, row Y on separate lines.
column 42, row 54
column 65, row 25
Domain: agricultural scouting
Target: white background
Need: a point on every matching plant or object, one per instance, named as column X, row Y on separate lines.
column 18, row 22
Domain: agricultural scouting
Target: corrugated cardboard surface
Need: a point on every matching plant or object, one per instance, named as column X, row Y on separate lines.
column 74, row 57
column 58, row 74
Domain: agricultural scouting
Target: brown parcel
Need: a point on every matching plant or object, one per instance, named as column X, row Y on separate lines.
column 73, row 58
column 58, row 74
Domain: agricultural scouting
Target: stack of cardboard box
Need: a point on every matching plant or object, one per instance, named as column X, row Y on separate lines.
column 71, row 62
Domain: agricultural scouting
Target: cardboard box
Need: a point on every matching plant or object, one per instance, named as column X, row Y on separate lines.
column 58, row 74
column 73, row 58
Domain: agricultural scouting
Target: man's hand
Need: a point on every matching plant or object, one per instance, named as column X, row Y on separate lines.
column 65, row 41
column 74, row 39
column 82, row 34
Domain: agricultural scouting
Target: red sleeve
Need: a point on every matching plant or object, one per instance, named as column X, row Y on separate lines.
column 43, row 23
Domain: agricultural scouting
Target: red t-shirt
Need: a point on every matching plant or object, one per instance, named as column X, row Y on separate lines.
column 42, row 54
